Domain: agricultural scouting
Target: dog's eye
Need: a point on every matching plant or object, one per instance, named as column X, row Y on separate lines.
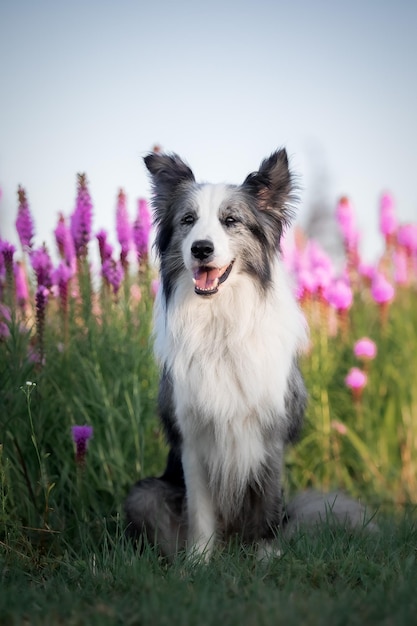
column 230, row 220
column 188, row 219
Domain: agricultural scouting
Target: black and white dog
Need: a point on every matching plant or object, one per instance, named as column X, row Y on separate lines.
column 228, row 332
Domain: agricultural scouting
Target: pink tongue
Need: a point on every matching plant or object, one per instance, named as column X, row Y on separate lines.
column 206, row 277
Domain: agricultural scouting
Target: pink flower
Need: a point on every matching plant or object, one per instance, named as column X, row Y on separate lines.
column 407, row 237
column 387, row 217
column 400, row 267
column 356, row 378
column 22, row 289
column 317, row 257
column 81, row 436
column 339, row 295
column 135, row 293
column 339, row 427
column 307, row 283
column 365, row 348
column 356, row 381
column 155, row 284
column 323, row 278
column 24, row 221
column 366, row 270
column 345, row 217
column 381, row 290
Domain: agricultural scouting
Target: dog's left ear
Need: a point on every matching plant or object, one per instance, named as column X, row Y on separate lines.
column 167, row 171
column 272, row 185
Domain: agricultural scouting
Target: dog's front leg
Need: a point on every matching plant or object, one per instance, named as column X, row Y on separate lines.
column 200, row 507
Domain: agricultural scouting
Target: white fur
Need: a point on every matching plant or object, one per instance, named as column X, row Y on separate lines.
column 230, row 357
column 208, row 226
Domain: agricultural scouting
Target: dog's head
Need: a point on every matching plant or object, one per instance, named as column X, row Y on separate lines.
column 214, row 232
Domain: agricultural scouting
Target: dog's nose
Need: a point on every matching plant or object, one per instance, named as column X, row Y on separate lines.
column 202, row 249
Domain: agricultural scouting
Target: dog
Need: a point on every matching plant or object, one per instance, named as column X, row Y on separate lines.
column 228, row 336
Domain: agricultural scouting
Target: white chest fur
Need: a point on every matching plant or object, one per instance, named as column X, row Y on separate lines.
column 229, row 356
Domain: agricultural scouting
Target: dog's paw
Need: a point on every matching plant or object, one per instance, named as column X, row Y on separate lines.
column 267, row 550
column 200, row 551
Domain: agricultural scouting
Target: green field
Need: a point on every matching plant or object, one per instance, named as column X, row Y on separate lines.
column 87, row 360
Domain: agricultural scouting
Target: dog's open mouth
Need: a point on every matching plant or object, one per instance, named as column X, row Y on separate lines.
column 207, row 279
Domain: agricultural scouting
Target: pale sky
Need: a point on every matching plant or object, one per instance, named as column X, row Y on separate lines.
column 91, row 86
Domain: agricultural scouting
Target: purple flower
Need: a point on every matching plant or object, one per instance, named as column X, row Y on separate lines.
column 61, row 277
column 381, row 290
column 365, row 348
column 387, row 217
column 5, row 319
column 105, row 248
column 4, row 330
column 81, row 219
column 24, row 221
column 5, row 312
column 81, row 436
column 7, row 251
column 113, row 273
column 65, row 241
column 123, row 227
column 141, row 229
column 41, row 300
column 42, row 266
column 62, row 274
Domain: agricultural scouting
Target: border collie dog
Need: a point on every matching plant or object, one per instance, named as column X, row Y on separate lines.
column 228, row 332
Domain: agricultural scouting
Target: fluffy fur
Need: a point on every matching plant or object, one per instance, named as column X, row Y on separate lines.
column 228, row 332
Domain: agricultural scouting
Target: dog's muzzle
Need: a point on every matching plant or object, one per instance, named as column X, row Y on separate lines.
column 207, row 278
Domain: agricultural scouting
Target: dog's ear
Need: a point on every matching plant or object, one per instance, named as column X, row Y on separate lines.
column 167, row 171
column 272, row 185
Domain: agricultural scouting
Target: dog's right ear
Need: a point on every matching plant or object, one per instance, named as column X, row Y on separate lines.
column 167, row 171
